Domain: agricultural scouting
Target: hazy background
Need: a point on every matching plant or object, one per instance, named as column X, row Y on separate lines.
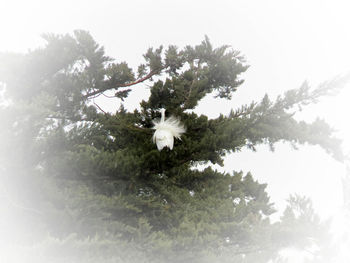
column 285, row 42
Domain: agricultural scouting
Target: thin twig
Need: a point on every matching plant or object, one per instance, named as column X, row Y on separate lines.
column 110, row 97
column 99, row 107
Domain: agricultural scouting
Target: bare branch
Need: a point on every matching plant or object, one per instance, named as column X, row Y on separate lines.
column 99, row 107
column 148, row 76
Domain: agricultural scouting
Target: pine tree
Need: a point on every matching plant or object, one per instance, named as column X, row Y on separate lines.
column 97, row 183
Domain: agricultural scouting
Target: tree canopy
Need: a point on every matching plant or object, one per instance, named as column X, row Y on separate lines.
column 97, row 184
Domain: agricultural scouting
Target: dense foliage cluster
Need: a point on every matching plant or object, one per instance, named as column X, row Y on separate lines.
column 96, row 183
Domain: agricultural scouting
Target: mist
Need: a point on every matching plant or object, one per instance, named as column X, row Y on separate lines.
column 250, row 178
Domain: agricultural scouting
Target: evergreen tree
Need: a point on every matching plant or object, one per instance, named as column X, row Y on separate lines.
column 97, row 183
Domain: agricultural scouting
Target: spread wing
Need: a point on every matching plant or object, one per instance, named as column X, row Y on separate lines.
column 174, row 126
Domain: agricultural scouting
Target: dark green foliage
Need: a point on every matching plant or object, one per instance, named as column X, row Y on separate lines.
column 98, row 175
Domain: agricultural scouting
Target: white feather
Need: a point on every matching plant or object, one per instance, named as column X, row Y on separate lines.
column 166, row 130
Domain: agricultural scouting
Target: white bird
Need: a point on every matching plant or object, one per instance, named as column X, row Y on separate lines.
column 166, row 130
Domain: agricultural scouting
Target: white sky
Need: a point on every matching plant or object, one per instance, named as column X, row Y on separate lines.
column 285, row 42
